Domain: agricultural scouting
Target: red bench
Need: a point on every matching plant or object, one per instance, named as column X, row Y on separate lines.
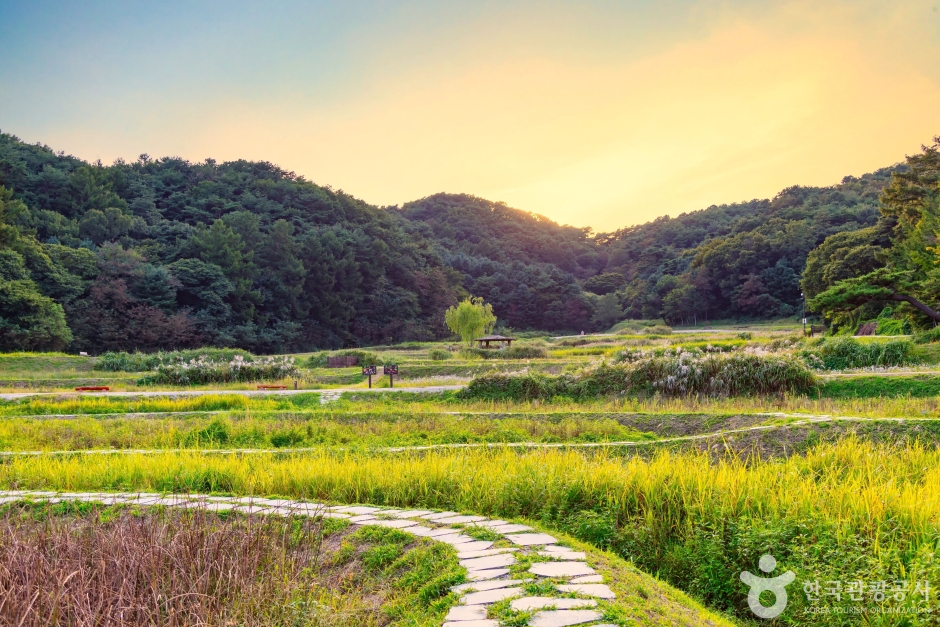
column 272, row 387
column 93, row 388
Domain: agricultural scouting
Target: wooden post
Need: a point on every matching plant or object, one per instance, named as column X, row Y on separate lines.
column 295, row 384
column 391, row 380
column 370, row 380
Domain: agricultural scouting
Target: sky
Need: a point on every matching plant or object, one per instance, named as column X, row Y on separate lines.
column 594, row 113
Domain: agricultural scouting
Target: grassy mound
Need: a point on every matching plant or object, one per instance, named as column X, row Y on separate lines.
column 142, row 362
column 676, row 374
column 516, row 352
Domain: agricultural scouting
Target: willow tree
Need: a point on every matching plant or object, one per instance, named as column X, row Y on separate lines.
column 470, row 318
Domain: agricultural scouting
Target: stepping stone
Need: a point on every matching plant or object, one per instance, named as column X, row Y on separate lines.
column 439, row 515
column 490, row 523
column 588, row 579
column 597, row 590
column 563, row 618
column 493, row 561
column 458, row 520
column 479, row 545
column 526, row 604
column 481, row 586
column 454, row 539
column 444, row 531
column 531, row 539
column 510, row 528
column 411, row 513
column 490, row 596
column 465, row 555
column 361, row 519
column 252, row 510
column 424, row 532
column 483, row 575
column 466, row 612
column 356, row 510
column 472, row 623
column 209, row 507
column 333, row 515
column 394, row 524
column 556, row 548
column 563, row 555
column 561, row 569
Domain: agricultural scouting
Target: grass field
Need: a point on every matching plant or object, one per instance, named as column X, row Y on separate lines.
column 840, row 483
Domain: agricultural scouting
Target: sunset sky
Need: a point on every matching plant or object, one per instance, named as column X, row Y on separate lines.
column 601, row 114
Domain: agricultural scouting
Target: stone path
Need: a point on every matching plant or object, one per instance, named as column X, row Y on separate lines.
column 576, row 586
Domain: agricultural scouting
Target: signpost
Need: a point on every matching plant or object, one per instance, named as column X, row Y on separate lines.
column 391, row 370
column 369, row 370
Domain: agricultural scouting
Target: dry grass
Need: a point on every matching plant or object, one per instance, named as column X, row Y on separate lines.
column 159, row 568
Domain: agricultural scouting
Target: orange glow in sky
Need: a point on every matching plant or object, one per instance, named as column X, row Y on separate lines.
column 582, row 114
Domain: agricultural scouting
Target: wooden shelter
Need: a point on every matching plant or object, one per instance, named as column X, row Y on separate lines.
column 502, row 340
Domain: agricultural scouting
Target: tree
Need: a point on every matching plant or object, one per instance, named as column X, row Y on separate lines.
column 608, row 312
column 30, row 321
column 470, row 319
column 909, row 271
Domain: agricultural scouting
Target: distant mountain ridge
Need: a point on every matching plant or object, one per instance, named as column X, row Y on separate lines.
column 167, row 253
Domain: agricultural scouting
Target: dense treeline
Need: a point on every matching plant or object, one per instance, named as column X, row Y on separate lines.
column 167, row 254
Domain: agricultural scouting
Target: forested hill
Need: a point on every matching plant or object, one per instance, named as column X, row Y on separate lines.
column 738, row 260
column 164, row 253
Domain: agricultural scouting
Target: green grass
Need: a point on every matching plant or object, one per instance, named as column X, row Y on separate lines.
column 277, row 430
column 912, row 386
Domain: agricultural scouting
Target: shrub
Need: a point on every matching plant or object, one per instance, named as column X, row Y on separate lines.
column 659, row 329
column 682, row 373
column 516, row 352
column 931, row 335
column 141, row 362
column 439, row 354
column 205, row 370
column 891, row 326
column 366, row 358
column 840, row 353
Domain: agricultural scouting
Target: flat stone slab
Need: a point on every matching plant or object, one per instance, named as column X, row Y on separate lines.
column 454, row 539
column 564, row 555
column 411, row 513
column 424, row 532
column 458, row 520
column 356, row 510
column 492, row 561
column 483, row 575
column 490, row 523
column 466, row 612
column 473, row 623
column 478, row 545
column 444, row 531
column 561, row 569
column 597, row 590
column 563, row 618
column 437, row 515
column 526, row 604
column 480, row 586
column 490, row 596
column 588, row 579
column 362, row 518
column 510, row 528
column 394, row 524
column 465, row 555
column 531, row 539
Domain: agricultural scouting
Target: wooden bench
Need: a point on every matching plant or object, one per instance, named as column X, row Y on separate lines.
column 272, row 387
column 93, row 388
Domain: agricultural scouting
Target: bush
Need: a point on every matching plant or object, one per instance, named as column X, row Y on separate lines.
column 659, row 329
column 141, row 362
column 439, row 354
column 891, row 326
column 931, row 335
column 516, row 352
column 681, row 373
column 237, row 370
column 840, row 353
column 366, row 358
